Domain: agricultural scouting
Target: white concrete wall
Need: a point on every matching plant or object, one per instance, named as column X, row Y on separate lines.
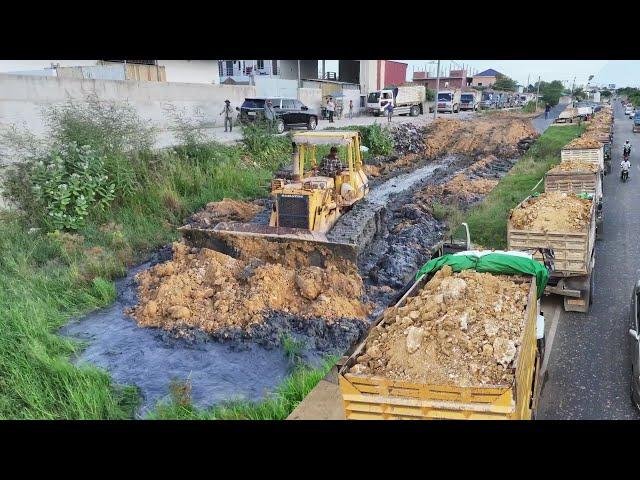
column 368, row 76
column 311, row 97
column 191, row 71
column 275, row 87
column 22, row 99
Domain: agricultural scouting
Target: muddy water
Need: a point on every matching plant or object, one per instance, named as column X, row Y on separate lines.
column 151, row 358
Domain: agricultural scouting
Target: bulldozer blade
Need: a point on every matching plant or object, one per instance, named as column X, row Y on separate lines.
column 272, row 244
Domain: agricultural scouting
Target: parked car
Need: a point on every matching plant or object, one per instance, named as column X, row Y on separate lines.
column 635, row 345
column 629, row 111
column 290, row 112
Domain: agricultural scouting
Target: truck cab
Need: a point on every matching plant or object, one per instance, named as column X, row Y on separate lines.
column 468, row 101
column 448, row 101
column 378, row 100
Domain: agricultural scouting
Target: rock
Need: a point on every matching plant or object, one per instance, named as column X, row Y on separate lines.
column 151, row 309
column 310, row 285
column 178, row 312
column 487, row 350
column 504, row 351
column 359, row 369
column 414, row 339
column 414, row 315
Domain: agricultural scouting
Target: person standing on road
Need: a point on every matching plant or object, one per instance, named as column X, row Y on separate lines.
column 350, row 109
column 331, row 107
column 269, row 115
column 228, row 115
column 547, row 109
column 389, row 109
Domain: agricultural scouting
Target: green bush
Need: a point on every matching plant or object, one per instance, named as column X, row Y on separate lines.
column 530, row 107
column 64, row 186
column 266, row 149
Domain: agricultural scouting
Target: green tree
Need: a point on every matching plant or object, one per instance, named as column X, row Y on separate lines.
column 579, row 94
column 430, row 94
column 551, row 92
column 605, row 93
column 505, row 83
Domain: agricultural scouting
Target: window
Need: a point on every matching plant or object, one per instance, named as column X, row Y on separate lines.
column 220, row 70
column 229, row 67
column 276, row 102
column 479, row 84
column 298, row 105
column 289, row 104
column 260, row 64
column 362, row 101
column 274, row 67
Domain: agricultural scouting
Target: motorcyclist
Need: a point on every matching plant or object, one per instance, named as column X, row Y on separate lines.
column 626, row 149
column 625, row 165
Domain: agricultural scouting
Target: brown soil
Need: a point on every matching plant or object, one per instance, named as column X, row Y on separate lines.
column 573, row 166
column 226, row 210
column 493, row 134
column 585, row 141
column 209, row 290
column 553, row 211
column 462, row 329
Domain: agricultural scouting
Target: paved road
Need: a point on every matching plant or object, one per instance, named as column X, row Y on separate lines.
column 589, row 358
column 540, row 124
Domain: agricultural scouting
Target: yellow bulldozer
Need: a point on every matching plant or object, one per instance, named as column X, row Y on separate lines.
column 306, row 205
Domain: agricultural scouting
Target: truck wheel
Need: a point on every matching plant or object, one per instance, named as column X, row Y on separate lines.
column 415, row 111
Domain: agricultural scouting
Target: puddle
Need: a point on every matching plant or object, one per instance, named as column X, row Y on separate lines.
column 151, row 358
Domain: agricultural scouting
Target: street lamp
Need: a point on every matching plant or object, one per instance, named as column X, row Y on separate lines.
column 435, row 106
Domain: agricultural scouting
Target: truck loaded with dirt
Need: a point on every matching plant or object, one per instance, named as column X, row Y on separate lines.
column 460, row 344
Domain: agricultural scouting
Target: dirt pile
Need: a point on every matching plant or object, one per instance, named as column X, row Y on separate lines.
column 461, row 329
column 573, row 166
column 583, row 142
column 408, row 138
column 498, row 135
column 210, row 291
column 225, row 210
column 553, row 211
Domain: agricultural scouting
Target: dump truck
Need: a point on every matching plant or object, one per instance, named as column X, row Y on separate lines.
column 469, row 100
column 573, row 254
column 583, row 149
column 306, row 204
column 571, row 177
column 406, row 99
column 636, row 123
column 567, row 115
column 448, row 100
column 367, row 396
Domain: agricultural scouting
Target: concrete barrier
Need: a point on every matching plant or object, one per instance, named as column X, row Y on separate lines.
column 23, row 99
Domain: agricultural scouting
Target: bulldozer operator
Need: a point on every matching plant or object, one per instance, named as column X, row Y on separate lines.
column 331, row 164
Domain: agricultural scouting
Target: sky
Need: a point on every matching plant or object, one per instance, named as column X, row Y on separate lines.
column 621, row 72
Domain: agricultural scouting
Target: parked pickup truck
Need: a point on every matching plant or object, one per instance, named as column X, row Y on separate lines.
column 636, row 122
column 367, row 396
column 408, row 99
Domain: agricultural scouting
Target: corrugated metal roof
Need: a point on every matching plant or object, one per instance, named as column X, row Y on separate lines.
column 488, row 73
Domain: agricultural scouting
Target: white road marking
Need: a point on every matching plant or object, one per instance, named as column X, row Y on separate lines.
column 549, row 342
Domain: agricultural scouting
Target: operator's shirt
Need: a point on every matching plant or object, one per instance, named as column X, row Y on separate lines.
column 330, row 166
column 625, row 165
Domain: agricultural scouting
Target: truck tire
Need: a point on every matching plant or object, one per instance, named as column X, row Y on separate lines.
column 415, row 111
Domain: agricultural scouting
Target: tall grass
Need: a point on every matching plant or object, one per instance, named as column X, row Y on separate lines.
column 488, row 220
column 47, row 278
column 277, row 406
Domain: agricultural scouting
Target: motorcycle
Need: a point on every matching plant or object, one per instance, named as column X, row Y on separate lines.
column 624, row 175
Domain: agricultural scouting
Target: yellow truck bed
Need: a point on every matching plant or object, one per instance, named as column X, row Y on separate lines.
column 379, row 398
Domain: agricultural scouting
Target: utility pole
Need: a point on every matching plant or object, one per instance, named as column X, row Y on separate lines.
column 573, row 85
column 435, row 106
column 538, row 93
column 528, row 82
column 299, row 86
